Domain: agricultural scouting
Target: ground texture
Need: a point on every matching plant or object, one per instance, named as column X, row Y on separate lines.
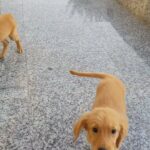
column 139, row 7
column 40, row 100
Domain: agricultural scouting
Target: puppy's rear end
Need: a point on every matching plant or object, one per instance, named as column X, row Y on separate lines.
column 8, row 29
column 7, row 25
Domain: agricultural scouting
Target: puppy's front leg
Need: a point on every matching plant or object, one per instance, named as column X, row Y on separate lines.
column 15, row 37
column 19, row 47
column 5, row 49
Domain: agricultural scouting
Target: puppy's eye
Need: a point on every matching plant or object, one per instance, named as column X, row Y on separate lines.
column 95, row 130
column 113, row 131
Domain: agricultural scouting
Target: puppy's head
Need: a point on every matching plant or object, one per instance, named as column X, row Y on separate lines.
column 105, row 128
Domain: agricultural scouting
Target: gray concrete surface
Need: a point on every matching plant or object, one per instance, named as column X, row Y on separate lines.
column 39, row 100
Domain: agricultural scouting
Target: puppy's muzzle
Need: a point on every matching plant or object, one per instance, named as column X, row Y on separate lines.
column 102, row 148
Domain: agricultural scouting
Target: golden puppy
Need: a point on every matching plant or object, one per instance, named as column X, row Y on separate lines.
column 8, row 28
column 107, row 123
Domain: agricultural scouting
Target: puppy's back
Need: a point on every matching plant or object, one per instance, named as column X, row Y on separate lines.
column 110, row 91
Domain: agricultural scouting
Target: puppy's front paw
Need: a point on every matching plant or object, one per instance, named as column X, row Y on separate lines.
column 19, row 47
column 1, row 57
column 20, row 50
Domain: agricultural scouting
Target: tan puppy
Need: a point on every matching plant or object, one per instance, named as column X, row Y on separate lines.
column 107, row 123
column 8, row 28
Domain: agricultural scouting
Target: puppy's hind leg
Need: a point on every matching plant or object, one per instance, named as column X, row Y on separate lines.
column 15, row 37
column 5, row 49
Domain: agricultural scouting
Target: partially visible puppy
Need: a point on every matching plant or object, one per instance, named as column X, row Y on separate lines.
column 107, row 123
column 8, row 28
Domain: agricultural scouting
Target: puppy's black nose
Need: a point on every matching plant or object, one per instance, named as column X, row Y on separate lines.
column 101, row 148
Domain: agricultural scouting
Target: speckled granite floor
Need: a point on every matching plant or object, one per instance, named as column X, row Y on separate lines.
column 39, row 100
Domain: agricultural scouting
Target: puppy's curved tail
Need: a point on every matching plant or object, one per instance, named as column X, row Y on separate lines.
column 92, row 74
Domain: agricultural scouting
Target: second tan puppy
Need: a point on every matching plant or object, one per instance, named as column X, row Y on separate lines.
column 107, row 123
column 8, row 29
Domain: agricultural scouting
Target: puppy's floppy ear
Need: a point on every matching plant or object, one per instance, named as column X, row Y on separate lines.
column 123, row 131
column 80, row 124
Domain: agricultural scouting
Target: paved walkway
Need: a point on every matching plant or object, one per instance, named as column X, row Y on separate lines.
column 39, row 100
